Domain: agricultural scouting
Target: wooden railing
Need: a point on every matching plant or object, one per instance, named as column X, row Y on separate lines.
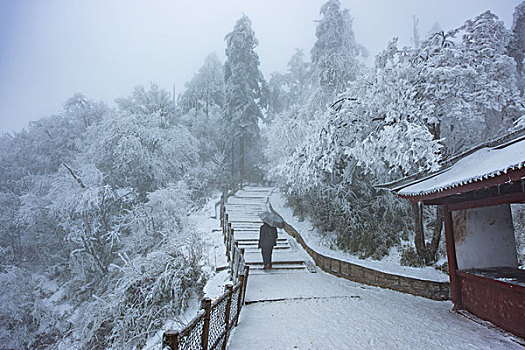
column 211, row 327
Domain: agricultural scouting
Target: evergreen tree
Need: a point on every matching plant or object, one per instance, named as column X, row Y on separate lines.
column 246, row 91
column 334, row 55
column 292, row 87
column 206, row 88
column 494, row 94
column 299, row 78
column 279, row 97
column 516, row 47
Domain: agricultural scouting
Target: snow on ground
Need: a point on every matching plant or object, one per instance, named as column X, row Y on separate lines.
column 320, row 311
column 389, row 264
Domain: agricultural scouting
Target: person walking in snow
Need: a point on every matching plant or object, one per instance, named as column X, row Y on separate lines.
column 267, row 240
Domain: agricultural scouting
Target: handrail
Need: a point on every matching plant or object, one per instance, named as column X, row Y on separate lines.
column 210, row 329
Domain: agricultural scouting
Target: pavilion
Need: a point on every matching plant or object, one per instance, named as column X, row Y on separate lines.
column 476, row 190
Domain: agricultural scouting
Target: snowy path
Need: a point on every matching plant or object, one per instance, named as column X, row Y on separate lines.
column 296, row 309
column 243, row 213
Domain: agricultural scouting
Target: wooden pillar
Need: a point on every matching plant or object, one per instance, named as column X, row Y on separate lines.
column 170, row 339
column 455, row 291
column 225, row 228
column 206, row 305
column 239, row 299
column 247, row 272
column 233, row 260
column 222, row 218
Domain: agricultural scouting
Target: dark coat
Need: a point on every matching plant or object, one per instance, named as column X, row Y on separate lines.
column 267, row 236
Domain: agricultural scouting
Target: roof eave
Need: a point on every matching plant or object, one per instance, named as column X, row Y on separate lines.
column 510, row 176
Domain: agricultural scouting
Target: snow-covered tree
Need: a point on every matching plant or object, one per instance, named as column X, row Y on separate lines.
column 246, row 92
column 494, row 94
column 516, row 46
column 335, row 52
column 292, row 87
column 466, row 90
column 153, row 100
column 206, row 88
column 137, row 148
column 299, row 78
column 278, row 94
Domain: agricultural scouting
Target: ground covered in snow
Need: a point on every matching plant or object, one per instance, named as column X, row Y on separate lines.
column 321, row 244
column 320, row 311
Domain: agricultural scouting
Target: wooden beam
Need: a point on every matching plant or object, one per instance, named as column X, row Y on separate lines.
column 455, row 292
column 488, row 202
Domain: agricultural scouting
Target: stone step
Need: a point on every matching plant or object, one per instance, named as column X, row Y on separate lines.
column 259, row 272
column 232, row 214
column 247, row 206
column 250, row 249
column 279, row 265
column 247, row 226
column 256, row 242
column 257, row 260
column 244, row 238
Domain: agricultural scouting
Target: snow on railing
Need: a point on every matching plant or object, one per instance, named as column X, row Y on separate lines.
column 211, row 327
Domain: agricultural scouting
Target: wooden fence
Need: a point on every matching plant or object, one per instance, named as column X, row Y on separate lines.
column 210, row 329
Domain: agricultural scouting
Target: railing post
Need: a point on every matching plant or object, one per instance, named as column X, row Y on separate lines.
column 229, row 290
column 170, row 339
column 228, row 241
column 247, row 272
column 222, row 217
column 239, row 300
column 225, row 227
column 206, row 305
column 234, row 263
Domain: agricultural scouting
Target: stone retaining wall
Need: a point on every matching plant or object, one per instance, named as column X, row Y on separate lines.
column 428, row 289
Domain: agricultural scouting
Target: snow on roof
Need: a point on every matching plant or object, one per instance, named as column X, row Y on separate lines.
column 485, row 163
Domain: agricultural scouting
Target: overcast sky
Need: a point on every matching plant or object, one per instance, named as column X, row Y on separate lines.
column 103, row 48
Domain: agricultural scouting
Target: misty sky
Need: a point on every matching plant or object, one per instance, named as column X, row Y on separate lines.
column 103, row 48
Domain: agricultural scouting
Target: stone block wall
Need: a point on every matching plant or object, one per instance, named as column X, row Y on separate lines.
column 428, row 289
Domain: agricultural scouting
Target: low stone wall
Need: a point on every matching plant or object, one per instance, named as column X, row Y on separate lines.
column 428, row 289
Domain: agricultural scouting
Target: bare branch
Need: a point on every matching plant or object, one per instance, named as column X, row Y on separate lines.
column 74, row 175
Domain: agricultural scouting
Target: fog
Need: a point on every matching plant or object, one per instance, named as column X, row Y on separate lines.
column 50, row 50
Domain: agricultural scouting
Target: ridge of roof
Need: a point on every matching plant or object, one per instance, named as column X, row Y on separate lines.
column 498, row 143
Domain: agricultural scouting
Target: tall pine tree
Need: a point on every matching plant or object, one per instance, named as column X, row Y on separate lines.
column 334, row 55
column 516, row 47
column 246, row 94
column 206, row 88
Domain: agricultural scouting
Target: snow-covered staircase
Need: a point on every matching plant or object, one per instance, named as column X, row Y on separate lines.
column 243, row 213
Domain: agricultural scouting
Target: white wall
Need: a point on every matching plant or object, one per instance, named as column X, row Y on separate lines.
column 485, row 237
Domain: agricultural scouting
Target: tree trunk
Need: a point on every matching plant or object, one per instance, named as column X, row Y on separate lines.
column 419, row 238
column 436, row 236
column 424, row 251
